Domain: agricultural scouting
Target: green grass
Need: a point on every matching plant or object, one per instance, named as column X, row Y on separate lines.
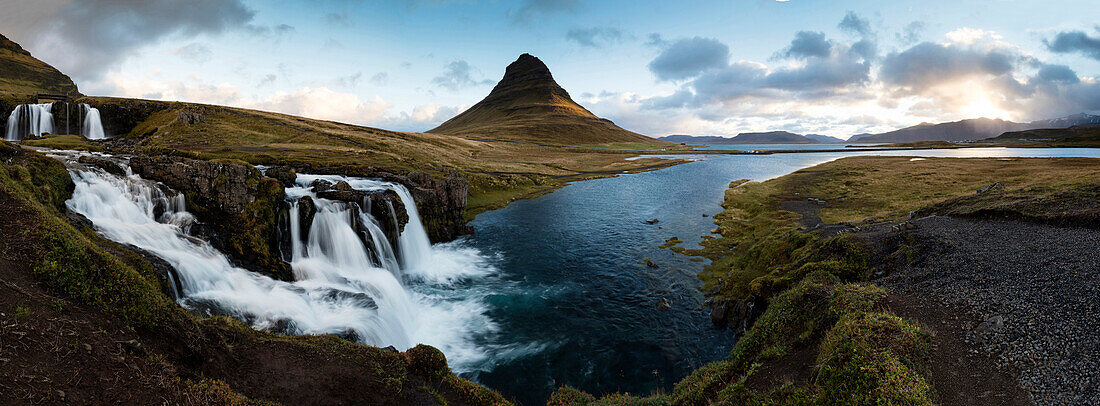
column 68, row 141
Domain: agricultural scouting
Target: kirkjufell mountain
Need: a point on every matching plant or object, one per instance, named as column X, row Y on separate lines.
column 528, row 105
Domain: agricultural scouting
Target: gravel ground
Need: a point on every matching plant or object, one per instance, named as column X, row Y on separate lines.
column 1032, row 292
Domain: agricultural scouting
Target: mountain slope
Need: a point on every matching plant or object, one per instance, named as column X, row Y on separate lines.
column 963, row 130
column 528, row 105
column 825, row 139
column 972, row 129
column 1080, row 134
column 22, row 74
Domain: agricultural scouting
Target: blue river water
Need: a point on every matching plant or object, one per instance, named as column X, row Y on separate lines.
column 573, row 302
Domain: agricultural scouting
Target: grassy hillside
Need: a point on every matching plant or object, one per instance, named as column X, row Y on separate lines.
column 528, row 105
column 22, row 74
column 1077, row 136
column 498, row 171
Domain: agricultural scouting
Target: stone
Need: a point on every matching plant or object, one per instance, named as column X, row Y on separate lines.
column 650, row 263
column 306, row 210
column 320, row 185
column 652, row 221
column 286, row 176
column 663, row 304
column 105, row 164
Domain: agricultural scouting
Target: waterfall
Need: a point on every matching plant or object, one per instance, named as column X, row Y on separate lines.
column 349, row 280
column 92, row 128
column 27, row 119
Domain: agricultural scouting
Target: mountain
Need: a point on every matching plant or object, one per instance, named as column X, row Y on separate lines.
column 528, row 105
column 972, row 129
column 963, row 130
column 22, row 74
column 771, row 137
column 1076, row 134
column 824, row 139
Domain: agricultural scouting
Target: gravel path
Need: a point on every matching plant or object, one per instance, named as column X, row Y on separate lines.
column 1032, row 292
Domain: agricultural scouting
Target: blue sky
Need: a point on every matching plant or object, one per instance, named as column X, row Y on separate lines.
column 696, row 67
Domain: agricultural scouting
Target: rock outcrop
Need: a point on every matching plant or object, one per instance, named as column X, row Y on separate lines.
column 384, row 205
column 236, row 204
column 121, row 116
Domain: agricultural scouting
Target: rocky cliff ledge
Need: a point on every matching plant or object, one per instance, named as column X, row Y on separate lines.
column 235, row 202
column 441, row 201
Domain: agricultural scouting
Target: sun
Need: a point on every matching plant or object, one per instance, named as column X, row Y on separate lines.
column 980, row 102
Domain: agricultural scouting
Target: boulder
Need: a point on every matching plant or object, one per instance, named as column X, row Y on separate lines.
column 306, row 210
column 286, row 176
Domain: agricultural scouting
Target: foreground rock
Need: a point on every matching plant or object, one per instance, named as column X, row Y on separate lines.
column 236, row 204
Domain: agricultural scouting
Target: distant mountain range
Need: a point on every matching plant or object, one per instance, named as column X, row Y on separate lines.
column 771, row 137
column 971, row 130
column 964, row 130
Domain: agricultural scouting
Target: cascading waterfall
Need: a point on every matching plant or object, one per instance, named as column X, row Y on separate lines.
column 92, row 128
column 355, row 287
column 28, row 119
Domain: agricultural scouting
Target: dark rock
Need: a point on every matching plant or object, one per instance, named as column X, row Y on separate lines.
column 650, row 263
column 166, row 275
column 320, row 185
column 78, row 220
column 306, row 210
column 286, row 176
column 104, row 164
column 120, row 116
column 238, row 206
column 441, row 203
column 738, row 315
column 191, row 115
column 719, row 310
column 869, row 220
column 652, row 221
column 384, row 205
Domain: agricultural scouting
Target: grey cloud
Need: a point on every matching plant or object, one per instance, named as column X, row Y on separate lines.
column 458, row 75
column 529, row 9
column 87, row 37
column 194, row 52
column 852, row 22
column 690, row 57
column 349, row 81
column 1075, row 42
column 808, row 44
column 595, row 37
column 655, row 40
column 928, row 64
column 1057, row 73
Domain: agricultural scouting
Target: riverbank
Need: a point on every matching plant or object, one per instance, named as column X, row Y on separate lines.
column 812, row 246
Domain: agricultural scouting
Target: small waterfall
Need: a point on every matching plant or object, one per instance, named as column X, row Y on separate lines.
column 28, row 119
column 92, row 128
column 349, row 280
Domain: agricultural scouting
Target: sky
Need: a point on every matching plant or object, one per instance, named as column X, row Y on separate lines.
column 656, row 67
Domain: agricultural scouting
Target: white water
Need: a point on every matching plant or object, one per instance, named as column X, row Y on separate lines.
column 92, row 128
column 342, row 287
column 41, row 121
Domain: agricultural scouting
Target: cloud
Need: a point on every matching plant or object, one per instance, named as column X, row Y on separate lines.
column 1058, row 74
column 348, row 81
column 87, row 38
column 380, row 79
column 808, row 44
column 853, row 23
column 911, row 33
column 1075, row 42
column 929, row 64
column 421, row 118
column 594, row 37
column 689, row 57
column 530, row 9
column 325, row 104
column 458, row 75
column 194, row 52
column 267, row 80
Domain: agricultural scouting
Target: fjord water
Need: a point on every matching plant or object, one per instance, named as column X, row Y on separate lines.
column 573, row 285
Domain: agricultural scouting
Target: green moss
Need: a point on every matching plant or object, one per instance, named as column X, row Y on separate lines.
column 569, row 396
column 874, row 358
